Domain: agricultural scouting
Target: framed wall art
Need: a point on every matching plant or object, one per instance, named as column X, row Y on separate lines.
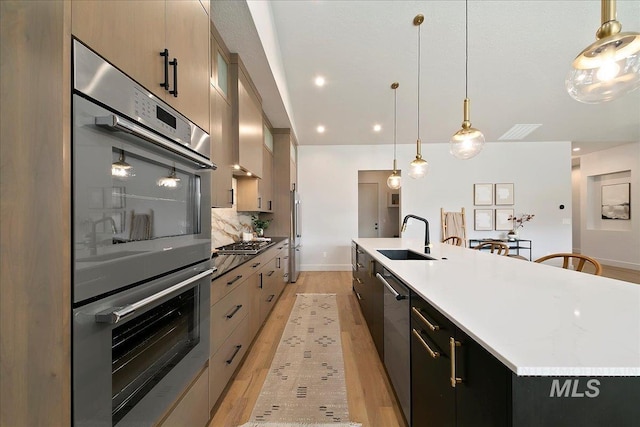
column 504, row 194
column 503, row 223
column 483, row 219
column 483, row 194
column 616, row 201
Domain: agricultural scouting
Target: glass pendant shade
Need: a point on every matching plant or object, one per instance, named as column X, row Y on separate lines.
column 394, row 181
column 609, row 67
column 121, row 169
column 170, row 181
column 418, row 167
column 468, row 141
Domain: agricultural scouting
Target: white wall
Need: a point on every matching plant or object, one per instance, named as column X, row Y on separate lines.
column 328, row 182
column 575, row 204
column 612, row 242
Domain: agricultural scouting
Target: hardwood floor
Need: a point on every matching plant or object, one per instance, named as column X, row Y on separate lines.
column 371, row 398
column 625, row 274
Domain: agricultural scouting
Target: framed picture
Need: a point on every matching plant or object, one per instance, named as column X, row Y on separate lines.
column 483, row 194
column 483, row 219
column 504, row 194
column 503, row 223
column 615, row 201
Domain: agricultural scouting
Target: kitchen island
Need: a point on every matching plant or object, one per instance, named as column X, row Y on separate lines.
column 568, row 342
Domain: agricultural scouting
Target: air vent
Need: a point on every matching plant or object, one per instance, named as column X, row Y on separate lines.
column 519, row 132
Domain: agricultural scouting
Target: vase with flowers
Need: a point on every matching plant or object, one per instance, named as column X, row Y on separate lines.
column 518, row 222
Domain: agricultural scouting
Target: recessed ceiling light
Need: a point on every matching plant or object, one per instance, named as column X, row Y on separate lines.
column 319, row 81
column 320, row 129
column 377, row 128
column 576, row 149
column 236, row 167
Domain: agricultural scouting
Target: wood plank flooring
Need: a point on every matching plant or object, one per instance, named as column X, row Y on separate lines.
column 619, row 273
column 370, row 396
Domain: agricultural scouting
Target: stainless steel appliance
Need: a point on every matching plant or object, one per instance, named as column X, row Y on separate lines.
column 397, row 341
column 141, row 248
column 244, row 248
column 296, row 237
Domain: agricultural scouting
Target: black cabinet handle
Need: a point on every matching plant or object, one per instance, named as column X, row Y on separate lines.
column 259, row 202
column 165, row 54
column 270, row 205
column 269, row 274
column 278, row 261
column 271, row 297
column 260, row 280
column 234, row 280
column 233, row 356
column 235, row 310
column 231, row 196
column 255, row 265
column 174, row 92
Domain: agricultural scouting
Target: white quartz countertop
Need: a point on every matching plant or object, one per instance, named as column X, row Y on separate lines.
column 536, row 319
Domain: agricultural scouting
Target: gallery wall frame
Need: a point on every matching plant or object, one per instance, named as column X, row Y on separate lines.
column 504, row 194
column 503, row 223
column 616, row 201
column 483, row 194
column 483, row 219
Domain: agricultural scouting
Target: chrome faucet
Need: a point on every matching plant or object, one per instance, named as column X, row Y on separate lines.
column 427, row 243
column 93, row 244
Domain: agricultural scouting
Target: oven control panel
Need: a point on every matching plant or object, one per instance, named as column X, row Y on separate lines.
column 149, row 112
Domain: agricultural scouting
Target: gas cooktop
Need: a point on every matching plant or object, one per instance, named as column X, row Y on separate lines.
column 243, row 248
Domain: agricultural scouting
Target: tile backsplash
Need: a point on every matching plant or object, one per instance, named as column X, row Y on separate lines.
column 227, row 225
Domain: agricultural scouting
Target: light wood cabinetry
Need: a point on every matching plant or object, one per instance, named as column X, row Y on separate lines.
column 132, row 34
column 192, row 409
column 284, row 179
column 247, row 134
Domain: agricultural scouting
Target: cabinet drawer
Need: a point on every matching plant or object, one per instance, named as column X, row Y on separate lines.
column 227, row 359
column 229, row 281
column 431, row 322
column 227, row 313
column 192, row 409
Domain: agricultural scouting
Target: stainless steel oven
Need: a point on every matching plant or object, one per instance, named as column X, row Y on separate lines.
column 141, row 248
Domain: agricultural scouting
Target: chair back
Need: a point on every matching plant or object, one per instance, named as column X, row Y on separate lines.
column 581, row 261
column 453, row 240
column 499, row 248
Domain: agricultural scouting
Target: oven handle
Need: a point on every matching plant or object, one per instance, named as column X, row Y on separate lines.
column 115, row 123
column 116, row 314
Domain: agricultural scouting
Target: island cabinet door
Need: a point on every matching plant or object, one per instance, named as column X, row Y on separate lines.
column 483, row 394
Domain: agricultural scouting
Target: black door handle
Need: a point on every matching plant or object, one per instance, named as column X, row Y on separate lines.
column 174, row 92
column 165, row 54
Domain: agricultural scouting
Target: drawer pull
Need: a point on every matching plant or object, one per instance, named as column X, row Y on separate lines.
column 357, row 279
column 234, row 280
column 452, row 345
column 431, row 325
column 255, row 265
column 271, row 297
column 359, row 266
column 233, row 356
column 235, row 310
column 269, row 274
column 434, row 354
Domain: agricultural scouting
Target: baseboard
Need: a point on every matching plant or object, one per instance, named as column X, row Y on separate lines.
column 620, row 264
column 325, row 267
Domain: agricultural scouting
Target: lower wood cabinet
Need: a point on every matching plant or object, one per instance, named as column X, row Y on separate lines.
column 192, row 409
column 227, row 313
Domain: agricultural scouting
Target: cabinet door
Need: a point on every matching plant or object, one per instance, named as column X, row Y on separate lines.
column 187, row 38
column 249, row 119
column 249, row 199
column 265, row 185
column 222, row 178
column 482, row 399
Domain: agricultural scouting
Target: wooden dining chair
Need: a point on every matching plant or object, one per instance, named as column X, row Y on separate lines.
column 453, row 240
column 581, row 261
column 499, row 248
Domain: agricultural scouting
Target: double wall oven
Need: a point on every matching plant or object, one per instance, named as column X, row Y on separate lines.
column 141, row 248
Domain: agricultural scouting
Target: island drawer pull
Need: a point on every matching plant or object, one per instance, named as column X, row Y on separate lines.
column 233, row 356
column 235, row 310
column 434, row 354
column 234, row 280
column 359, row 297
column 430, row 325
column 358, row 265
column 452, row 345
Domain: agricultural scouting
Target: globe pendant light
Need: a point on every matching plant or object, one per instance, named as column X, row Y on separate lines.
column 468, row 141
column 418, row 167
column 121, row 169
column 609, row 67
column 395, row 180
column 169, row 181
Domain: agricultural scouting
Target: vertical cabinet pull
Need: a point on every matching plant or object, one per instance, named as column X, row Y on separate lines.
column 260, row 280
column 165, row 54
column 259, row 202
column 231, row 201
column 278, row 262
column 452, row 346
column 174, row 92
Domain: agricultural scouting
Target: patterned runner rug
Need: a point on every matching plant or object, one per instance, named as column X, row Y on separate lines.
column 305, row 385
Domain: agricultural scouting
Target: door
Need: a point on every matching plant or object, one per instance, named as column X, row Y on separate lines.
column 367, row 210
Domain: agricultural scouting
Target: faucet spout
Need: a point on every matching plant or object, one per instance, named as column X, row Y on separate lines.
column 427, row 242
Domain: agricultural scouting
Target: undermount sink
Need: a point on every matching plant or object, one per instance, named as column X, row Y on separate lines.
column 405, row 254
column 108, row 257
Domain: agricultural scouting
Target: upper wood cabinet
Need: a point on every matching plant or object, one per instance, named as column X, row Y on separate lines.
column 247, row 119
column 131, row 35
column 284, row 180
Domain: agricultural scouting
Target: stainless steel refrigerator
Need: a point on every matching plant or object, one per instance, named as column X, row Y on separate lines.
column 295, row 237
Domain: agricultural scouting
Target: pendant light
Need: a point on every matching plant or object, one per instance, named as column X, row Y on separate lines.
column 609, row 67
column 121, row 169
column 170, row 181
column 395, row 180
column 468, row 141
column 418, row 167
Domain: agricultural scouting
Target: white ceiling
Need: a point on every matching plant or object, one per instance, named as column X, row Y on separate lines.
column 519, row 54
